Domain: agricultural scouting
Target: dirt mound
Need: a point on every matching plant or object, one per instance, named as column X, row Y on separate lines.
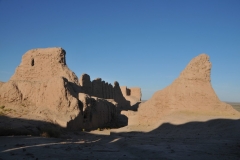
column 190, row 92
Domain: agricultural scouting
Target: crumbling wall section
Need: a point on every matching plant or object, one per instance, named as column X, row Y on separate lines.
column 43, row 84
column 135, row 92
column 86, row 83
column 96, row 113
column 97, row 87
column 132, row 93
column 105, row 90
column 42, row 64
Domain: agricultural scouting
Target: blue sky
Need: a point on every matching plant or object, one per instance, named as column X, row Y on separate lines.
column 136, row 42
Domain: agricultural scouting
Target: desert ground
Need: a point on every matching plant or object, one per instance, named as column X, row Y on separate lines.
column 205, row 138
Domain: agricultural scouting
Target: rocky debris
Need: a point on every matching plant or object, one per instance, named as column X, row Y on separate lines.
column 191, row 92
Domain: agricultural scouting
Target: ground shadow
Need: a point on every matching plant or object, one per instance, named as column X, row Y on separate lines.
column 19, row 126
column 213, row 139
column 135, row 106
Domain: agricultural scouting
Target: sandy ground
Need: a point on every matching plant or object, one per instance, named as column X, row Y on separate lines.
column 186, row 137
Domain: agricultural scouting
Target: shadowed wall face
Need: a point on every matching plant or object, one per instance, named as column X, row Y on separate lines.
column 96, row 113
column 86, row 83
column 106, row 91
column 97, row 88
column 124, row 90
column 103, row 90
column 110, row 90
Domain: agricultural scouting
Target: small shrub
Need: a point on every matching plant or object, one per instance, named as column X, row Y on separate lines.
column 2, row 107
column 50, row 132
column 8, row 110
column 83, row 129
column 44, row 134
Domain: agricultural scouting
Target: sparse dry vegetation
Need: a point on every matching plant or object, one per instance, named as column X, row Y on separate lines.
column 2, row 107
column 4, row 110
column 50, row 131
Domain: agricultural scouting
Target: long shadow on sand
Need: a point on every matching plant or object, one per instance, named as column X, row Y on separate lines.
column 20, row 126
column 214, row 139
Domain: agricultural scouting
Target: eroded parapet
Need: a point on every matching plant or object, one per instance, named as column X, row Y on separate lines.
column 119, row 98
column 86, row 83
column 106, row 91
column 111, row 92
column 102, row 89
column 42, row 64
column 124, row 90
column 97, row 88
column 134, row 92
column 117, row 92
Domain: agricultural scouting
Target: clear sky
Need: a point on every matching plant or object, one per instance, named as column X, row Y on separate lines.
column 145, row 43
